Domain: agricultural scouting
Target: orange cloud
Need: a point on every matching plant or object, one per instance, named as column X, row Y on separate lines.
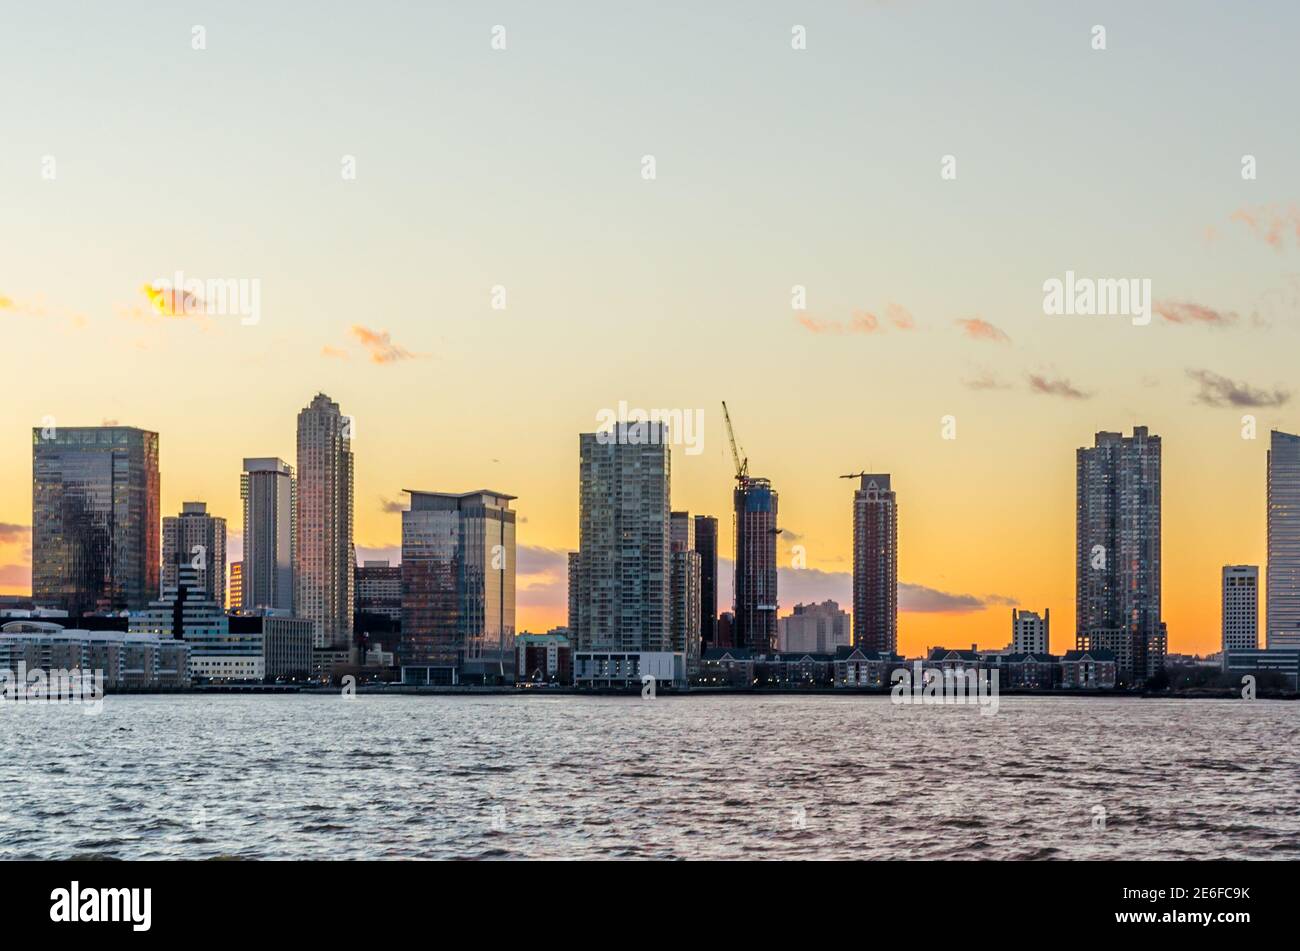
column 978, row 329
column 899, row 316
column 379, row 345
column 335, row 352
column 862, row 322
column 170, row 302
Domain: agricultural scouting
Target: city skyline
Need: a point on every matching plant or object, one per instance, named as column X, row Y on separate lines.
column 788, row 598
column 801, row 169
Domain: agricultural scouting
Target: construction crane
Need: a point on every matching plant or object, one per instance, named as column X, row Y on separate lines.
column 742, row 464
column 855, row 475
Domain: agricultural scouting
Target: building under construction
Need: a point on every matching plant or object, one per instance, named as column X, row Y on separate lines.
column 755, row 581
column 754, row 534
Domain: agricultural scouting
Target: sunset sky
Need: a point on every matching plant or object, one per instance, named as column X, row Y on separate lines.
column 522, row 169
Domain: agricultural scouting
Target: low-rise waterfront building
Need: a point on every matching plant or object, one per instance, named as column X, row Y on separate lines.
column 128, row 661
column 1094, row 669
column 726, row 667
column 1282, row 662
column 858, row 667
column 623, row 669
column 544, row 658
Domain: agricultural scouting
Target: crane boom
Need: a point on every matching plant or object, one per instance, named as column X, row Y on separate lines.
column 742, row 465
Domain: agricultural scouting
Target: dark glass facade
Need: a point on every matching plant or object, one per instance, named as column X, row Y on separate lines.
column 706, row 543
column 96, row 543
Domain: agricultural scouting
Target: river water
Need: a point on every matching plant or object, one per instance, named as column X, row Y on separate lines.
column 790, row 777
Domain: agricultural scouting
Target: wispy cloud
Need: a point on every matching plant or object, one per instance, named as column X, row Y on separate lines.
column 1218, row 390
column 860, row 322
column 1186, row 312
column 977, row 328
column 899, row 316
column 1056, row 387
column 985, row 381
column 379, row 345
column 333, row 352
column 11, row 532
column 391, row 506
column 1271, row 223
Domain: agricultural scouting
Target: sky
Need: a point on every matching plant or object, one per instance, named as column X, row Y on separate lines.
column 384, row 174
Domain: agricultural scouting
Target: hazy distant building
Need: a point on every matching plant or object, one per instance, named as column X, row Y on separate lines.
column 814, row 629
column 755, row 595
column 1030, row 633
column 458, row 588
column 875, row 564
column 196, row 538
column 95, row 518
column 706, row 543
column 326, row 557
column 623, row 544
column 1117, row 552
column 1240, row 608
column 1282, row 588
column 269, row 493
column 686, row 579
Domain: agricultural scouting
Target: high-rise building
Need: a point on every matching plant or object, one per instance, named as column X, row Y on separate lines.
column 1117, row 552
column 1030, row 633
column 458, row 588
column 706, row 543
column 198, row 539
column 95, row 518
column 379, row 589
column 814, row 629
column 1240, row 608
column 685, row 584
column 270, row 496
column 1282, row 574
column 573, row 592
column 875, row 564
column 326, row 557
column 623, row 601
column 235, row 601
column 754, row 587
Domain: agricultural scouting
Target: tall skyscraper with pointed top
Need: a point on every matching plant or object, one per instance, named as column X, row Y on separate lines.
column 326, row 556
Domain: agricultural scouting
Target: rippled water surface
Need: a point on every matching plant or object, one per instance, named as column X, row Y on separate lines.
column 318, row 777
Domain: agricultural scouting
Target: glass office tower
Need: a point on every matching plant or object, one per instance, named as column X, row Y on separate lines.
column 96, row 543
